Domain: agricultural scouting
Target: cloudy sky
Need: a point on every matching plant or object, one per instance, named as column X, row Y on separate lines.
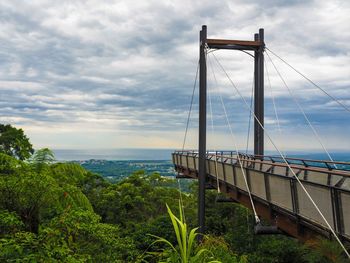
column 115, row 74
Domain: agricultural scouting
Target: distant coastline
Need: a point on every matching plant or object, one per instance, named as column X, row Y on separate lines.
column 113, row 154
column 165, row 154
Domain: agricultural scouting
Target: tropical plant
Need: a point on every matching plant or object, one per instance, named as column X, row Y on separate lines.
column 185, row 251
column 44, row 155
column 42, row 158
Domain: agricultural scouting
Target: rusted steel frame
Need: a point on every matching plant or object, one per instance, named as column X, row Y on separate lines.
column 234, row 47
column 224, row 42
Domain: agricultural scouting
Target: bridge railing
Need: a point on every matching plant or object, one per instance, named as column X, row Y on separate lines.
column 331, row 165
column 272, row 183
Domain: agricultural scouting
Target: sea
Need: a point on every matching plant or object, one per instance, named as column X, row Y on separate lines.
column 113, row 154
column 165, row 154
column 115, row 164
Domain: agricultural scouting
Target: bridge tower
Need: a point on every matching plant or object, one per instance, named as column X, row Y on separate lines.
column 257, row 46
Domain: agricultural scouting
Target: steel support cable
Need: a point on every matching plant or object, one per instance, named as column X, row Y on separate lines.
column 302, row 111
column 309, row 80
column 212, row 133
column 250, row 118
column 273, row 102
column 286, row 162
column 190, row 109
column 257, row 219
column 185, row 136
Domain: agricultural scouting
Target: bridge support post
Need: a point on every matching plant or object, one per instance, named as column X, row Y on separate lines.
column 202, row 131
column 259, row 94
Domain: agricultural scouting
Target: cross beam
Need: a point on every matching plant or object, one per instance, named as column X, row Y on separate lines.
column 234, row 44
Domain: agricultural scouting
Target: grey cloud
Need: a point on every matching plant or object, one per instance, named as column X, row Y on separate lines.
column 131, row 66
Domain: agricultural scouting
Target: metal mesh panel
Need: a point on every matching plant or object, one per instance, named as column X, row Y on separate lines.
column 239, row 177
column 229, row 173
column 296, row 172
column 175, row 159
column 197, row 162
column 346, row 184
column 257, row 184
column 191, row 162
column 317, row 177
column 256, row 165
column 265, row 167
column 220, row 170
column 335, row 179
column 279, row 170
column 322, row 198
column 245, row 163
column 280, row 191
column 212, row 168
column 234, row 158
column 345, row 205
column 183, row 161
column 249, row 163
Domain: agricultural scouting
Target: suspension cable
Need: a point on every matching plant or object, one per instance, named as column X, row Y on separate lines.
column 273, row 102
column 190, row 109
column 285, row 161
column 212, row 134
column 257, row 219
column 309, row 80
column 250, row 118
column 301, row 110
column 185, row 136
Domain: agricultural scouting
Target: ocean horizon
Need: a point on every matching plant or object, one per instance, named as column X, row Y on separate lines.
column 165, row 154
column 112, row 154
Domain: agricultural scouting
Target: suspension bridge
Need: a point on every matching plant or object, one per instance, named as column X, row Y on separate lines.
column 303, row 198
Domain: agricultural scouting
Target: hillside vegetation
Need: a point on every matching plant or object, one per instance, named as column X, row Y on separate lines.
column 60, row 212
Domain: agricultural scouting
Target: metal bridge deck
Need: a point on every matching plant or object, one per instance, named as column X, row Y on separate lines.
column 277, row 195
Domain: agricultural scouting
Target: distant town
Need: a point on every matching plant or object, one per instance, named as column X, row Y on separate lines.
column 117, row 170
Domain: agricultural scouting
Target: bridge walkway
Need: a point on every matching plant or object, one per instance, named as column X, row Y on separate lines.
column 276, row 193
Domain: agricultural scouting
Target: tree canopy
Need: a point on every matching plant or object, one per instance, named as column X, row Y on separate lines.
column 61, row 212
column 14, row 142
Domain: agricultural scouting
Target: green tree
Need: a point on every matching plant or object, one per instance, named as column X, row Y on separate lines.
column 9, row 222
column 42, row 159
column 35, row 196
column 14, row 142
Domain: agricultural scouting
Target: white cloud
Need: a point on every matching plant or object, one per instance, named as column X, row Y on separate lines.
column 119, row 69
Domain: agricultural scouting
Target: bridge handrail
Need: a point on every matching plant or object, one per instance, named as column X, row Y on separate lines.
column 305, row 162
column 333, row 196
column 342, row 173
column 302, row 160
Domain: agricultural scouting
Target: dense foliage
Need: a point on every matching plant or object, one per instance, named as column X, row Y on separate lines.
column 60, row 212
column 14, row 142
